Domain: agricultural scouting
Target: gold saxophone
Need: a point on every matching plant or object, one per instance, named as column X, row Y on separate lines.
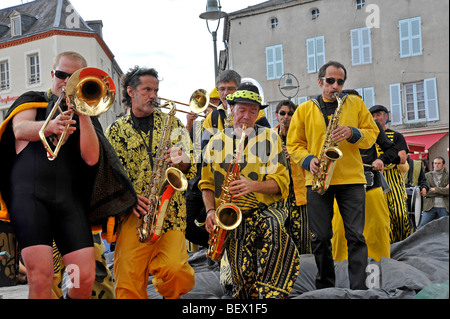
column 329, row 153
column 228, row 215
column 164, row 181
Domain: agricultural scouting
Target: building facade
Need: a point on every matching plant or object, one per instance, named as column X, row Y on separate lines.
column 395, row 53
column 33, row 34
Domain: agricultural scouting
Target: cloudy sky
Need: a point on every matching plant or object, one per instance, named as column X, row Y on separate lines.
column 165, row 34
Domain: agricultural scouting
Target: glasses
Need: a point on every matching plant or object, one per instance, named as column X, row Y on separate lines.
column 283, row 113
column 62, row 75
column 332, row 80
column 227, row 89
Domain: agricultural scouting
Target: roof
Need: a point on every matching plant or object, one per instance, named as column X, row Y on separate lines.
column 263, row 5
column 41, row 16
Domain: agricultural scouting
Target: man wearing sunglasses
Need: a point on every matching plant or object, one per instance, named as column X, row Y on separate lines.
column 356, row 129
column 51, row 201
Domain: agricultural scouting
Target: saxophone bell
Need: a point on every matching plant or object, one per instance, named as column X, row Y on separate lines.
column 228, row 216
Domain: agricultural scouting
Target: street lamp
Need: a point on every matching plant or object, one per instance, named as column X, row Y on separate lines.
column 288, row 85
column 213, row 12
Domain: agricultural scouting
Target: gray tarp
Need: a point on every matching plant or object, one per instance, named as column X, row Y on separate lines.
column 416, row 262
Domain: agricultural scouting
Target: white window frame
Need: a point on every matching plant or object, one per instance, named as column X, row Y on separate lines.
column 33, row 76
column 273, row 22
column 274, row 62
column 315, row 53
column 16, row 25
column 5, row 77
column 430, row 101
column 359, row 4
column 361, row 46
column 408, row 36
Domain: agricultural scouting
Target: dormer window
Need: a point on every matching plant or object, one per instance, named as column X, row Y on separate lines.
column 16, row 24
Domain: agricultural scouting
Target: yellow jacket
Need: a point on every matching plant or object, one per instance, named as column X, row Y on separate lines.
column 307, row 134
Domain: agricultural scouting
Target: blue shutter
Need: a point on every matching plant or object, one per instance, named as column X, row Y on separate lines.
column 369, row 97
column 403, row 29
column 311, row 55
column 270, row 59
column 355, row 43
column 416, row 36
column 431, row 99
column 396, row 104
column 279, row 69
column 366, row 46
column 320, row 52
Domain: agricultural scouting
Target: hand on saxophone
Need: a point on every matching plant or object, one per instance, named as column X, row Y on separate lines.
column 314, row 165
column 176, row 157
column 142, row 206
column 240, row 187
column 210, row 221
column 341, row 133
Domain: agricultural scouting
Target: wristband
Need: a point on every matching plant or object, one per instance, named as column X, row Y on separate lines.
column 210, row 210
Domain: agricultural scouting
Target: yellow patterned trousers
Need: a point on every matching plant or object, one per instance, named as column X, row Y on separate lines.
column 277, row 256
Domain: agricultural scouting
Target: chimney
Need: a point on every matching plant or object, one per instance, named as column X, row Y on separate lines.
column 97, row 26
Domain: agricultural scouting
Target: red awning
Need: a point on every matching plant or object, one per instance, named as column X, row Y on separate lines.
column 424, row 142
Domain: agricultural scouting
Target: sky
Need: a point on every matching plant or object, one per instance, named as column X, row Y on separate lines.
column 167, row 35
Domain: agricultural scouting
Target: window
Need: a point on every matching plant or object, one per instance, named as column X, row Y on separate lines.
column 368, row 96
column 314, row 13
column 4, row 76
column 410, row 31
column 359, row 4
column 16, row 26
column 421, row 103
column 34, row 69
column 273, row 23
column 315, row 51
column 361, row 46
column 302, row 99
column 274, row 62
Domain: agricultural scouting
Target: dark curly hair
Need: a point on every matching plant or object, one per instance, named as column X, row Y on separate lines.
column 133, row 78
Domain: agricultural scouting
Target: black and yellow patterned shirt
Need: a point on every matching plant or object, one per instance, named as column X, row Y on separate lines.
column 263, row 159
column 132, row 152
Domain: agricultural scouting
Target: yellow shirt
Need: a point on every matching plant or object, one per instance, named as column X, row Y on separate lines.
column 263, row 159
column 307, row 133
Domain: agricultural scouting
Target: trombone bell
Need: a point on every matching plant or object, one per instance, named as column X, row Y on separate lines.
column 199, row 101
column 91, row 92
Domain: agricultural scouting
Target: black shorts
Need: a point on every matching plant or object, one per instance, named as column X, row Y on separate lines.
column 46, row 202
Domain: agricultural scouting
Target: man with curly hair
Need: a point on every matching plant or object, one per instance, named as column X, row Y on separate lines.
column 135, row 138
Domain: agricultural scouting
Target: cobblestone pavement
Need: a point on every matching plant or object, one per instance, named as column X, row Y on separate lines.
column 14, row 292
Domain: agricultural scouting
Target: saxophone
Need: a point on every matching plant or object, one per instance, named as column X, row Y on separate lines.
column 329, row 153
column 164, row 181
column 228, row 215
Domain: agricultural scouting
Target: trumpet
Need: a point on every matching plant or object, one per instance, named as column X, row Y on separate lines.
column 198, row 102
column 90, row 91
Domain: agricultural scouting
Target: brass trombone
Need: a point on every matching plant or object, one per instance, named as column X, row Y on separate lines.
column 198, row 102
column 91, row 92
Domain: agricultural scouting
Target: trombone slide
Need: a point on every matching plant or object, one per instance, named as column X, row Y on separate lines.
column 51, row 155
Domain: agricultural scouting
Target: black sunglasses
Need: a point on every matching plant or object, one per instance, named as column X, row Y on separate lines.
column 62, row 75
column 283, row 113
column 332, row 80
